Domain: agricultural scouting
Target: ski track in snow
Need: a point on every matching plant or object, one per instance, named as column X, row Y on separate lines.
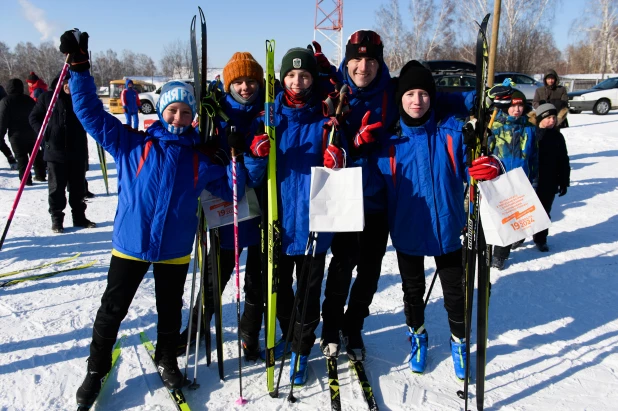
column 553, row 327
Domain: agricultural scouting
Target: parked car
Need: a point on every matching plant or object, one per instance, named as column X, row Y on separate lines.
column 149, row 100
column 600, row 98
column 523, row 83
column 452, row 75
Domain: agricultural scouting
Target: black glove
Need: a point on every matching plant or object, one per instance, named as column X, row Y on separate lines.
column 216, row 154
column 562, row 190
column 469, row 132
column 235, row 140
column 323, row 63
column 75, row 43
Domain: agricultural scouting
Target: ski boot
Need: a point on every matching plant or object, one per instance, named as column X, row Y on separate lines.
column 458, row 352
column 89, row 390
column 354, row 345
column 498, row 262
column 329, row 343
column 299, row 369
column 542, row 247
column 170, row 373
column 419, row 340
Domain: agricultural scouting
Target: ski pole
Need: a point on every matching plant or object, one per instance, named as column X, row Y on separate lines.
column 300, row 280
column 240, row 400
column 433, row 281
column 195, row 257
column 37, row 144
column 291, row 397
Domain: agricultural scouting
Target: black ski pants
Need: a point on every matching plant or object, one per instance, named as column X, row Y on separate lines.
column 251, row 320
column 22, row 151
column 5, row 149
column 547, row 199
column 123, row 279
column 61, row 175
column 304, row 335
column 451, row 273
column 363, row 250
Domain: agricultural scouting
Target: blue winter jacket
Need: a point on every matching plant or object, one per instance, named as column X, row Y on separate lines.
column 513, row 141
column 422, row 170
column 242, row 117
column 129, row 98
column 300, row 145
column 160, row 177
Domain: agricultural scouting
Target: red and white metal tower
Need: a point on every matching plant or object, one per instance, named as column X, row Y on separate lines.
column 329, row 23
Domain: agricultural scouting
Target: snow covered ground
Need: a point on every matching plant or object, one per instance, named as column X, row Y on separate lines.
column 553, row 326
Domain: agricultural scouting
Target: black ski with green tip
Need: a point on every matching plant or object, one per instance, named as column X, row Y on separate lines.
column 359, row 369
column 176, row 394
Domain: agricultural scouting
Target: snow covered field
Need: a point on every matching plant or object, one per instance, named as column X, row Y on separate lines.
column 553, row 326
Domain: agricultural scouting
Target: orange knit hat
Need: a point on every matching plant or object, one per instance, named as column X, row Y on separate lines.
column 242, row 64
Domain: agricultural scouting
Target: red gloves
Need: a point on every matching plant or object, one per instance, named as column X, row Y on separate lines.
column 484, row 168
column 364, row 134
column 260, row 146
column 333, row 157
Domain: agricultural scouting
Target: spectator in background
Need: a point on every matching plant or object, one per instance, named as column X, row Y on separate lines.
column 36, row 86
column 555, row 94
column 66, row 153
column 14, row 112
column 3, row 147
column 130, row 103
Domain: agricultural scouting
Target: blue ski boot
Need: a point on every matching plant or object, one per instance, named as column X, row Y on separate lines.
column 419, row 340
column 279, row 346
column 298, row 376
column 458, row 352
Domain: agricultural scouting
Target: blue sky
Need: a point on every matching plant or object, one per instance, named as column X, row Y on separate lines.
column 233, row 25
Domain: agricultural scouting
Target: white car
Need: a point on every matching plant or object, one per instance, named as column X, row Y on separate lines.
column 149, row 100
column 600, row 98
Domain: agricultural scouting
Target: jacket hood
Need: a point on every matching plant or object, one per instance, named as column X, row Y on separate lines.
column 378, row 84
column 127, row 82
column 37, row 84
column 15, row 86
column 551, row 73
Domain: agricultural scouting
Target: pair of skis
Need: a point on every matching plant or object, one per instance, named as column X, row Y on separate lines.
column 475, row 244
column 334, row 388
column 7, row 283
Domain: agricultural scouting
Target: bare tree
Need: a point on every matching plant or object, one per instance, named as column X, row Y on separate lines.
column 176, row 60
column 7, row 63
column 394, row 36
column 106, row 67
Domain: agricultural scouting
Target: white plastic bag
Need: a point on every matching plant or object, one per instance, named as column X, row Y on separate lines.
column 510, row 209
column 336, row 200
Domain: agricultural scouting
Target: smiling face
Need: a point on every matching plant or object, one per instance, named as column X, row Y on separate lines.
column 178, row 114
column 416, row 102
column 298, row 80
column 363, row 70
column 245, row 86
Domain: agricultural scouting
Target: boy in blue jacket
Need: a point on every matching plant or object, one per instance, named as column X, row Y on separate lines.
column 421, row 170
column 129, row 98
column 160, row 176
column 301, row 144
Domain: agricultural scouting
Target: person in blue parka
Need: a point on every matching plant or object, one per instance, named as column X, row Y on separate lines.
column 301, row 143
column 243, row 80
column 161, row 174
column 129, row 98
column 421, row 170
column 372, row 111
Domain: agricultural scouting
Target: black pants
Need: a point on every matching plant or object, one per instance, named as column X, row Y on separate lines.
column 61, row 175
column 251, row 320
column 285, row 299
column 22, row 151
column 5, row 149
column 547, row 199
column 363, row 250
column 123, row 279
column 451, row 272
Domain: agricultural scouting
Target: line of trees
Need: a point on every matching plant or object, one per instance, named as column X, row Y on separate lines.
column 446, row 29
column 46, row 61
